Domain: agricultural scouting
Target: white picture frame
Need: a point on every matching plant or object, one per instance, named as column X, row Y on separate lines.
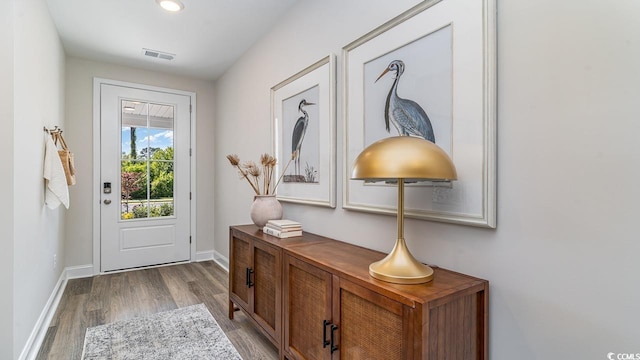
column 309, row 179
column 448, row 52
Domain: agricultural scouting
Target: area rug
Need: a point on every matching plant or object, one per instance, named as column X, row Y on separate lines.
column 181, row 334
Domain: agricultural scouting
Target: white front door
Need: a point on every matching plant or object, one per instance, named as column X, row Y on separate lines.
column 145, row 177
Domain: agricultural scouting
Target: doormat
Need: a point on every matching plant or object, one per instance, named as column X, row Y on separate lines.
column 181, row 334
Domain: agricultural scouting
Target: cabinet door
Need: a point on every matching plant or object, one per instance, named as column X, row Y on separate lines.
column 241, row 260
column 307, row 308
column 371, row 326
column 267, row 270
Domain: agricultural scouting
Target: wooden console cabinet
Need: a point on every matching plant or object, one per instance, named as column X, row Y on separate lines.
column 326, row 306
column 255, row 282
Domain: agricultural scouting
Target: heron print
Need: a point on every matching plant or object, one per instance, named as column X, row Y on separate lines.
column 407, row 116
column 299, row 131
column 301, row 136
column 408, row 91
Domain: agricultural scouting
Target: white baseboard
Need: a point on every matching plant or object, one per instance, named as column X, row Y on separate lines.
column 218, row 258
column 80, row 271
column 221, row 260
column 204, row 256
column 31, row 348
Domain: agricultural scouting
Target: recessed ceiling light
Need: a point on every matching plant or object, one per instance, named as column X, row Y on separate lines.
column 171, row 5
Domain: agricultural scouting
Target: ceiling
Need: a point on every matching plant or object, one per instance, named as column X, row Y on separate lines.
column 207, row 36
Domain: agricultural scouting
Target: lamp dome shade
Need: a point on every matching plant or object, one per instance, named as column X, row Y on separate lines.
column 403, row 157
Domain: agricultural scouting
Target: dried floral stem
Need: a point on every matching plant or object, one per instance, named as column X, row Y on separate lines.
column 253, row 172
column 293, row 156
column 249, row 180
column 235, row 162
column 268, row 164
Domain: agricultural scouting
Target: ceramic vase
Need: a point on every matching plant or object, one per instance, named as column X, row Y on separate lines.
column 265, row 208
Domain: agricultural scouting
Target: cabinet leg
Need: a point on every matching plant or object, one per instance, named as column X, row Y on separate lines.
column 232, row 308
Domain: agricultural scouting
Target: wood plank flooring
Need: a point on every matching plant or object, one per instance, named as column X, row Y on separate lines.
column 104, row 299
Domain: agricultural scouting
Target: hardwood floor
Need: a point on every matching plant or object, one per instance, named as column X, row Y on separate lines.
column 104, row 299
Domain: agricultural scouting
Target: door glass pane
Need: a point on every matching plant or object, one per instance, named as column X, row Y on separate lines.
column 147, row 185
column 133, row 180
column 161, row 188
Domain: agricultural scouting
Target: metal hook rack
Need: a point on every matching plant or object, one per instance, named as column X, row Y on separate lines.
column 56, row 129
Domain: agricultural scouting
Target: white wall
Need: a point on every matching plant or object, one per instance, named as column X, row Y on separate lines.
column 563, row 262
column 38, row 101
column 6, row 182
column 307, row 34
column 79, row 136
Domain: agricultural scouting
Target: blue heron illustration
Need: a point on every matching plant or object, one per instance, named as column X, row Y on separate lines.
column 299, row 129
column 405, row 115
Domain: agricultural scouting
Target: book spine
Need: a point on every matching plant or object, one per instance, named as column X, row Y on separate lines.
column 281, row 234
column 270, row 231
column 284, row 228
column 277, row 228
column 279, row 225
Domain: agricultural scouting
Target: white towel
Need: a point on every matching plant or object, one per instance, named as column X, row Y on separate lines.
column 57, row 191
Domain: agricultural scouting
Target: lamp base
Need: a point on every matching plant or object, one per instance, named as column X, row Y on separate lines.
column 400, row 267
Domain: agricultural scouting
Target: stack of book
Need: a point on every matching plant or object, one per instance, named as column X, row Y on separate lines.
column 283, row 228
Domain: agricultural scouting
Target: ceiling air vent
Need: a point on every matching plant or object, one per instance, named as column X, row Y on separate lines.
column 157, row 54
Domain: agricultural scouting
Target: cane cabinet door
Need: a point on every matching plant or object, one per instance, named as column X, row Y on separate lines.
column 241, row 254
column 328, row 317
column 265, row 280
column 255, row 282
column 370, row 326
column 307, row 311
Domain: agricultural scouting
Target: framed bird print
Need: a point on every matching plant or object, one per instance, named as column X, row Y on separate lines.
column 303, row 114
column 429, row 73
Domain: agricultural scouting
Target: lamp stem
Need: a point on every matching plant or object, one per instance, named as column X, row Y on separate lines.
column 401, row 208
column 399, row 266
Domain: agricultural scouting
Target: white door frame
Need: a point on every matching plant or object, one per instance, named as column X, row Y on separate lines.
column 97, row 195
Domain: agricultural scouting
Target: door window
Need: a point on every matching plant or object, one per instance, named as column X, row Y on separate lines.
column 147, row 160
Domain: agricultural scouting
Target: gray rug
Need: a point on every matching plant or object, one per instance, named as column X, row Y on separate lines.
column 181, row 334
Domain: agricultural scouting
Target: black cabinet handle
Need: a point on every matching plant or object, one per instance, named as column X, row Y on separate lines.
column 334, row 347
column 249, row 272
column 246, row 277
column 325, row 342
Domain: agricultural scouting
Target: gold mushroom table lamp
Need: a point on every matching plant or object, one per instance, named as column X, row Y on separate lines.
column 402, row 158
